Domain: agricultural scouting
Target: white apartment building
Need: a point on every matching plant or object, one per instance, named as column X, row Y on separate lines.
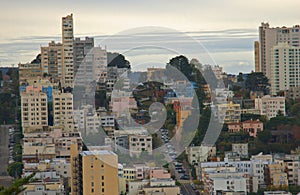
column 139, row 143
column 92, row 123
column 269, row 106
column 198, row 154
column 34, row 110
column 63, row 110
column 259, row 162
column 284, row 67
column 240, row 166
column 241, row 149
column 235, row 184
column 270, row 37
column 225, row 178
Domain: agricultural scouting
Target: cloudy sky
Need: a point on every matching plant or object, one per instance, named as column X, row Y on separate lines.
column 147, row 32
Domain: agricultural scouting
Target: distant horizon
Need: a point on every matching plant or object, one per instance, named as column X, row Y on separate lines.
column 226, row 29
column 223, row 46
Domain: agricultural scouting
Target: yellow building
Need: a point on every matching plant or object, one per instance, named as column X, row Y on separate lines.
column 276, row 176
column 129, row 173
column 229, row 113
column 94, row 172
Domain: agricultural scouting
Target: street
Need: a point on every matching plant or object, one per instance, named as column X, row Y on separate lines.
column 186, row 188
column 4, row 150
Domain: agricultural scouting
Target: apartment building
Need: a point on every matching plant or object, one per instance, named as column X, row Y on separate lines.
column 241, row 149
column 259, row 162
column 34, row 109
column 270, row 37
column 293, row 93
column 139, row 143
column 94, row 172
column 63, row 110
column 159, row 173
column 228, row 112
column 225, row 178
column 81, row 48
column 284, row 67
column 67, row 54
column 48, row 143
column 270, row 106
column 29, row 71
column 198, row 154
column 161, row 186
column 252, row 127
column 275, row 175
column 153, row 186
column 52, row 61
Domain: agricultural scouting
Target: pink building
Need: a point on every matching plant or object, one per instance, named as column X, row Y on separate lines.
column 122, row 105
column 31, row 88
column 159, row 173
column 250, row 126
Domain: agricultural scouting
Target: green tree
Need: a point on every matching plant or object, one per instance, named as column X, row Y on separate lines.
column 117, row 60
column 295, row 110
column 240, row 77
column 264, row 136
column 257, row 81
column 17, row 186
column 15, row 169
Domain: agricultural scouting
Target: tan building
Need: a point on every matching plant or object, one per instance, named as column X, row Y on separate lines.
column 51, row 60
column 47, row 143
column 155, row 74
column 67, row 44
column 293, row 93
column 275, row 175
column 63, row 110
column 139, row 143
column 270, row 106
column 34, row 109
column 94, row 172
column 256, row 56
column 29, row 71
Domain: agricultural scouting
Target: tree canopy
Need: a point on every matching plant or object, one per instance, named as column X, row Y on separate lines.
column 257, row 81
column 118, row 60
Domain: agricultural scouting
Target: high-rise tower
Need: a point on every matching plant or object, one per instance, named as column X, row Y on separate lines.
column 67, row 43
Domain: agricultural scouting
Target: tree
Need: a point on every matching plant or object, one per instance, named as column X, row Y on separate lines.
column 295, row 110
column 257, row 81
column 240, row 77
column 17, row 186
column 15, row 169
column 117, row 60
column 264, row 135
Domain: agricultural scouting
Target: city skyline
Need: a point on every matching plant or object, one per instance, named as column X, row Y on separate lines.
column 227, row 35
